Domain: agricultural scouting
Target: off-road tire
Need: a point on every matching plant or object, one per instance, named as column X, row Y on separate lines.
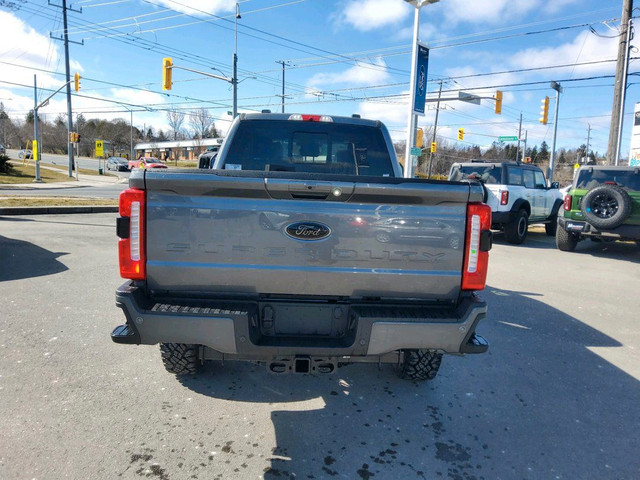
column 180, row 358
column 516, row 231
column 551, row 227
column 419, row 365
column 606, row 206
column 566, row 241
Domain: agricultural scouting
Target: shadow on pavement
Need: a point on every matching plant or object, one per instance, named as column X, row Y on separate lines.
column 515, row 412
column 20, row 259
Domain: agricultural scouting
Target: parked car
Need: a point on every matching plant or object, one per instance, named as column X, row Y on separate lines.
column 206, row 159
column 147, row 162
column 518, row 194
column 118, row 164
column 25, row 154
column 2, row 150
column 603, row 205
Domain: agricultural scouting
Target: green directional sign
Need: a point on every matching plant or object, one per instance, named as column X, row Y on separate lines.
column 416, row 151
column 508, row 138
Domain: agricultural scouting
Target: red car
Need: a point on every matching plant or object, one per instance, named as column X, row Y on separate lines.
column 146, row 162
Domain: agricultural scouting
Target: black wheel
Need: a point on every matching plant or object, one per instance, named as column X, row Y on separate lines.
column 180, row 358
column 454, row 242
column 516, row 230
column 551, row 227
column 264, row 222
column 566, row 241
column 419, row 365
column 383, row 237
column 606, row 206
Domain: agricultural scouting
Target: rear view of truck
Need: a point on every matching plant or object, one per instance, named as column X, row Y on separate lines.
column 303, row 249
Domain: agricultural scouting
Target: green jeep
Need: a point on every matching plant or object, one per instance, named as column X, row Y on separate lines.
column 602, row 204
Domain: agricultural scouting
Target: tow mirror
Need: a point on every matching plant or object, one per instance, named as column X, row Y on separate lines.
column 555, row 185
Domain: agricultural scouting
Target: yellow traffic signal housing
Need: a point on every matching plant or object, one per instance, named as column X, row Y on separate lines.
column 461, row 134
column 167, row 70
column 544, row 111
column 76, row 81
column 419, row 138
column 434, row 147
column 498, row 109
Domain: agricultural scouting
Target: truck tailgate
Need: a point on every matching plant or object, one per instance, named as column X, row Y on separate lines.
column 238, row 234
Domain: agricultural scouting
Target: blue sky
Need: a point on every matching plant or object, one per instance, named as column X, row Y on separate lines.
column 343, row 57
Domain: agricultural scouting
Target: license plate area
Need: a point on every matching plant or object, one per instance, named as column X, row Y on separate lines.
column 296, row 319
column 575, row 226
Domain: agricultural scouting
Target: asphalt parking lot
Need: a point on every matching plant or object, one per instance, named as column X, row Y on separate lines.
column 556, row 397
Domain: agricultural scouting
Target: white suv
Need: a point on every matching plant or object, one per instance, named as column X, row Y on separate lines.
column 517, row 193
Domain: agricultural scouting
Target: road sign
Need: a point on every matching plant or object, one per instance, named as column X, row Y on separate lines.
column 422, row 66
column 99, row 148
column 416, row 151
column 469, row 98
column 508, row 138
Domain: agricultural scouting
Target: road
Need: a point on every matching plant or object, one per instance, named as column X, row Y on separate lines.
column 556, row 396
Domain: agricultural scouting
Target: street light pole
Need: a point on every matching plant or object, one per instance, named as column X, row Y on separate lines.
column 556, row 86
column 235, row 65
column 408, row 162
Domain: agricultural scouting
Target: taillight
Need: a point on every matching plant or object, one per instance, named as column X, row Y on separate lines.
column 310, row 118
column 567, row 202
column 504, row 197
column 130, row 228
column 477, row 246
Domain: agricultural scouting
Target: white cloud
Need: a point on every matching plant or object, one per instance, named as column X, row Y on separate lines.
column 586, row 47
column 196, row 7
column 488, row 11
column 367, row 15
column 360, row 74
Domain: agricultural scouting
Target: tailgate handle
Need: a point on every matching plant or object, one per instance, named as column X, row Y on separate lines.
column 309, row 190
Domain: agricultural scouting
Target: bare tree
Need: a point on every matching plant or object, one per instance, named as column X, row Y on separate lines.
column 175, row 119
column 200, row 121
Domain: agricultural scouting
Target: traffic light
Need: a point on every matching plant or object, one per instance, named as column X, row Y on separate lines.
column 461, row 134
column 434, row 147
column 167, row 69
column 77, row 138
column 76, row 81
column 498, row 109
column 544, row 111
column 72, row 137
column 419, row 138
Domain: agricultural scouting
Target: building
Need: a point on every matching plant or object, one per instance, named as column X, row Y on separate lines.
column 176, row 150
column 634, row 151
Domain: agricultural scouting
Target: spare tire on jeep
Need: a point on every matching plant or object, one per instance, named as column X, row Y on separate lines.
column 606, row 206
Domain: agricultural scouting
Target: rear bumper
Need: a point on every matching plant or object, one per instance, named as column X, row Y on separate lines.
column 499, row 219
column 623, row 232
column 235, row 328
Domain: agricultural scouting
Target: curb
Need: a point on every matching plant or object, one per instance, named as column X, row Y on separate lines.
column 58, row 210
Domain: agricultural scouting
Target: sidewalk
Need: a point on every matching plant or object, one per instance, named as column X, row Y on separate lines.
column 83, row 181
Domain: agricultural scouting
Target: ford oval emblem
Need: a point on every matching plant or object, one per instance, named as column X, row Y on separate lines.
column 307, row 231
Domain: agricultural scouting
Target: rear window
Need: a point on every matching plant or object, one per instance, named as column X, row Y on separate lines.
column 589, row 179
column 310, row 147
column 486, row 173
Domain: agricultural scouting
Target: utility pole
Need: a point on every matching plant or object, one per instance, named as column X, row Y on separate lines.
column 435, row 126
column 68, row 77
column 586, row 153
column 620, row 84
column 524, row 151
column 235, row 66
column 519, row 134
column 284, row 63
column 35, row 131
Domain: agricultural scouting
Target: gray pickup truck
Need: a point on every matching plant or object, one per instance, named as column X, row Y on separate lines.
column 304, row 249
